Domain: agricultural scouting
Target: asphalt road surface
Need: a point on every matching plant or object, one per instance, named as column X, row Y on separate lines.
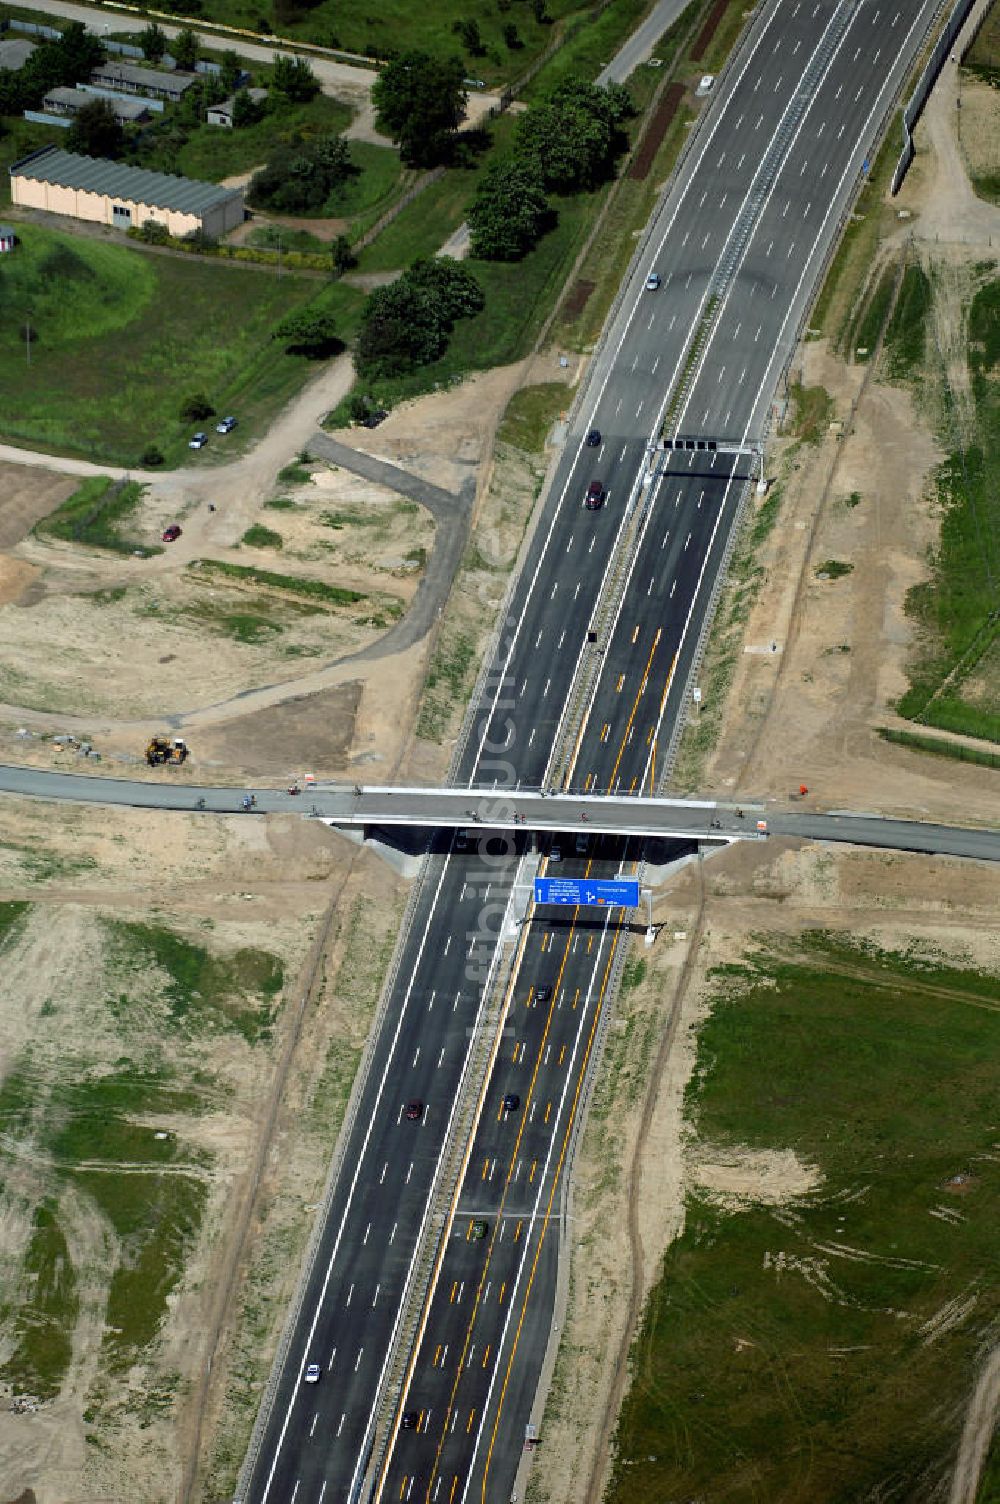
column 520, row 815
column 737, row 244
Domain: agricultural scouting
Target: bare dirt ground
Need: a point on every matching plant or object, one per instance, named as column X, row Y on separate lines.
column 225, row 884
column 68, row 609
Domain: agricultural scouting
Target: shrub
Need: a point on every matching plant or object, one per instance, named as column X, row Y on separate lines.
column 196, row 407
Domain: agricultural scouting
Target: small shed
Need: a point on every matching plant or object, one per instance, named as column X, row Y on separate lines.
column 7, row 238
column 222, row 114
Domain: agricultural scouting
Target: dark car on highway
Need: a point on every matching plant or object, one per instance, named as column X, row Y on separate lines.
column 543, row 994
column 595, row 496
column 414, row 1111
column 511, row 1102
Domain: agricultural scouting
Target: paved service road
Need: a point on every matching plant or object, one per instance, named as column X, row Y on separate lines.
column 737, row 244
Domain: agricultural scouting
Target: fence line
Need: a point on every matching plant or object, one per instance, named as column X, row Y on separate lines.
column 914, row 107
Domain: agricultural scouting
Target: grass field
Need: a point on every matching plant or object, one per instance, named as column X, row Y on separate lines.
column 396, row 26
column 211, row 152
column 121, row 337
column 95, row 515
column 984, row 54
column 531, row 413
column 955, row 679
column 83, row 1124
column 824, row 1351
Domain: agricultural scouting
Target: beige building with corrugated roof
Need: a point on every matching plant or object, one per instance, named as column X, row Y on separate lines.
column 110, row 193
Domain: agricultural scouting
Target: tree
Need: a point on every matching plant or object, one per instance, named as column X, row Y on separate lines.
column 293, row 79
column 468, row 30
column 78, row 53
column 511, row 37
column 509, row 211
column 407, row 323
column 300, row 177
column 153, row 41
column 400, row 330
column 342, row 256
column 184, row 49
column 574, row 134
column 451, row 287
column 309, row 331
column 95, row 132
column 230, row 70
column 419, row 100
column 246, row 109
column 196, row 407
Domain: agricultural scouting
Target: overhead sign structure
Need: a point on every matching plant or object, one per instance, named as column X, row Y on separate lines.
column 589, row 892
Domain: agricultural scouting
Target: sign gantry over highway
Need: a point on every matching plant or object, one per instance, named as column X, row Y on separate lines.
column 589, row 892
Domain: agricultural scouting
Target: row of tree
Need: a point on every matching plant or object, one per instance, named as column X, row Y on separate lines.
column 564, row 144
column 407, row 323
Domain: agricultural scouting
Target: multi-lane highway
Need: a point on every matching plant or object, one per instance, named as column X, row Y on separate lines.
column 453, row 1314
column 737, row 245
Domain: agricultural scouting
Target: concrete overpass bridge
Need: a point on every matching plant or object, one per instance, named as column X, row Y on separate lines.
column 493, row 810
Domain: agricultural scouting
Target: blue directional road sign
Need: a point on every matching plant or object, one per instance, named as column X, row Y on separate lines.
column 591, row 892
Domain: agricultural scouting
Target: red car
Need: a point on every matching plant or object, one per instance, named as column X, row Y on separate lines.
column 595, row 496
column 171, row 533
column 414, row 1112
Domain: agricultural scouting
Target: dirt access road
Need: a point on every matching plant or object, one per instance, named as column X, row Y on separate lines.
column 344, row 80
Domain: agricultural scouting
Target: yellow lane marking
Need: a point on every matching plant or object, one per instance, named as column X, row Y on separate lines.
column 635, row 706
column 514, row 1158
column 548, row 1210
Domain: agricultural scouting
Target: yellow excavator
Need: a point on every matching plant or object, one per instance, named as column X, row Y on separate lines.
column 162, row 750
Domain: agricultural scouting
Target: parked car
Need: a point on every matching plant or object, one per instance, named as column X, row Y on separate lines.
column 171, row 533
column 199, row 441
column 226, row 425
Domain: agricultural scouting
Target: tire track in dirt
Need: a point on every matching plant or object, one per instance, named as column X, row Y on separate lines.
column 981, row 1420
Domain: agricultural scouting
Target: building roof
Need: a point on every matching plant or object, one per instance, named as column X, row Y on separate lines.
column 15, row 52
column 160, row 190
column 144, row 78
column 226, row 107
column 73, row 100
